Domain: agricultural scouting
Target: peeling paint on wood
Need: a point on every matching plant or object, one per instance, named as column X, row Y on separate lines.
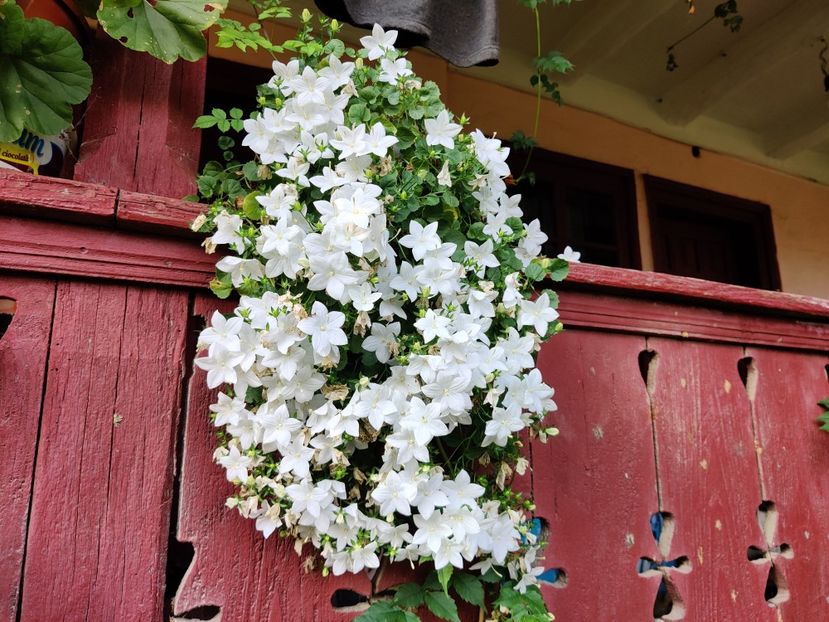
column 23, row 352
column 101, row 499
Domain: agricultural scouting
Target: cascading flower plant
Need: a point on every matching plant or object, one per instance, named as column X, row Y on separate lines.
column 379, row 368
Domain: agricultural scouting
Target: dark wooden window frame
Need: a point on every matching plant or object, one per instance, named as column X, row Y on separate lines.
column 627, row 222
column 755, row 217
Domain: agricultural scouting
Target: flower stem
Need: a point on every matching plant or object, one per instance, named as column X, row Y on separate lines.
column 537, row 92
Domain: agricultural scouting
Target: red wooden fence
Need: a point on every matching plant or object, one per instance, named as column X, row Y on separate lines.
column 676, row 396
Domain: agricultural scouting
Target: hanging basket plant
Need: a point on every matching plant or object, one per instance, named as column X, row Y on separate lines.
column 378, row 374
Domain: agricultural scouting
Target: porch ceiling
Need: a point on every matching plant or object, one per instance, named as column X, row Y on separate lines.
column 757, row 94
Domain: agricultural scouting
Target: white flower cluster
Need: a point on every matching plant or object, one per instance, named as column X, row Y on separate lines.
column 369, row 346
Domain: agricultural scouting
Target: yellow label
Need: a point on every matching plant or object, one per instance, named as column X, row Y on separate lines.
column 19, row 156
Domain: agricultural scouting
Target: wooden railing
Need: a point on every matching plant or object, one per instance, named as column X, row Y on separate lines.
column 681, row 402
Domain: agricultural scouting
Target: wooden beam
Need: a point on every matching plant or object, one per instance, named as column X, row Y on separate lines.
column 798, row 135
column 750, row 54
column 606, row 28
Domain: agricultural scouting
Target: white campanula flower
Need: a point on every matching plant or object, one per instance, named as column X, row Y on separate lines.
column 421, row 239
column 227, row 231
column 236, row 464
column 441, row 131
column 367, row 358
column 379, row 42
column 570, row 255
column 325, row 328
column 393, row 70
column 538, row 314
column 383, row 340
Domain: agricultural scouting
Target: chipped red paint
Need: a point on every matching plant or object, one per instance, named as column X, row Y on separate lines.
column 109, row 287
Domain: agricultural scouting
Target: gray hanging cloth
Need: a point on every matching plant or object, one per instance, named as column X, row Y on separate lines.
column 464, row 32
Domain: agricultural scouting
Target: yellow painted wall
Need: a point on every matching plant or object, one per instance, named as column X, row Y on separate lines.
column 800, row 208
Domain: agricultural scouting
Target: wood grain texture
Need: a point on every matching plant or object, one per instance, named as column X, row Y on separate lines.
column 708, row 477
column 102, row 491
column 794, row 455
column 657, row 317
column 695, row 291
column 61, row 199
column 138, row 126
column 23, row 352
column 147, row 212
column 63, row 248
column 596, row 483
column 234, row 568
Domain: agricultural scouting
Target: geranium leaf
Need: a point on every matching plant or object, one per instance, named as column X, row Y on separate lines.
column 168, row 29
column 42, row 74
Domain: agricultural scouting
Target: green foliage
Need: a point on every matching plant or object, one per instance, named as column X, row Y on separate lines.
column 469, row 588
column 42, row 74
column 823, row 419
column 384, row 611
column 167, row 29
column 526, row 607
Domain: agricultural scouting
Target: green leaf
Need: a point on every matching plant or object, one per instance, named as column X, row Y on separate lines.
column 553, row 62
column 559, row 269
column 442, row 606
column 824, row 403
column 384, row 611
column 409, row 594
column 444, row 575
column 535, row 271
column 221, row 286
column 167, row 29
column 469, row 588
column 42, row 73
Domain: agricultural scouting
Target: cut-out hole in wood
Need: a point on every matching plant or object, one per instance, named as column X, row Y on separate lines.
column 668, row 604
column 556, row 577
column 776, row 591
column 8, row 307
column 348, row 600
column 647, row 368
column 208, row 613
column 748, row 374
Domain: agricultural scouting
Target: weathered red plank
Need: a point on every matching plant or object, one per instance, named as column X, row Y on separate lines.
column 708, row 476
column 596, row 483
column 148, row 212
column 102, row 490
column 61, row 199
column 795, row 460
column 63, row 248
column 138, row 125
column 23, row 351
column 656, row 317
column 234, row 568
column 703, row 292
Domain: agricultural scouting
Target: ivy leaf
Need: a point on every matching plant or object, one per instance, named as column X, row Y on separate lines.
column 409, row 594
column 469, row 588
column 167, row 29
column 442, row 606
column 42, row 73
